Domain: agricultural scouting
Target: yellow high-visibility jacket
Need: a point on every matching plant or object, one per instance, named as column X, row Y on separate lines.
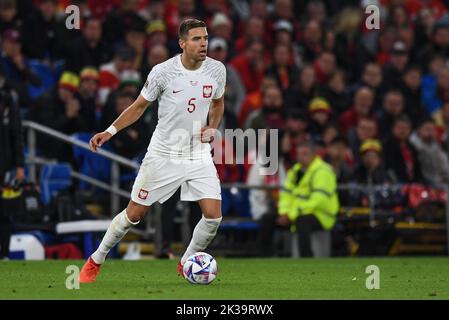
column 314, row 193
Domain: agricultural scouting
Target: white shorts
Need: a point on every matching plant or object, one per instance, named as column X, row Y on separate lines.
column 159, row 178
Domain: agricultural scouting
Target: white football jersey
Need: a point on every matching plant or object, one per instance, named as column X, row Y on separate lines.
column 184, row 98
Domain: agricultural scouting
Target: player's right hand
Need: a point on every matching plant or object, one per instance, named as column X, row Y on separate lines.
column 98, row 140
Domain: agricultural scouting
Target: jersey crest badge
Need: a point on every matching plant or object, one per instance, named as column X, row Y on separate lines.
column 143, row 194
column 207, row 91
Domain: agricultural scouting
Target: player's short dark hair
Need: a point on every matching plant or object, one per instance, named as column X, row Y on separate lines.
column 188, row 24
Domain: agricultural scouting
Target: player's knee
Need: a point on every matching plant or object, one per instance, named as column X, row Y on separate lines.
column 212, row 214
column 136, row 212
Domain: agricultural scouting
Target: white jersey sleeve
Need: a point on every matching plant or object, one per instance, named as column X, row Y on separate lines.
column 152, row 87
column 221, row 81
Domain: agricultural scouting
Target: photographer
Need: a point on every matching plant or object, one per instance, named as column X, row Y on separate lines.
column 11, row 144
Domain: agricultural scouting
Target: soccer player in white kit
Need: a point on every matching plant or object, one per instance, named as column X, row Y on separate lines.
column 189, row 88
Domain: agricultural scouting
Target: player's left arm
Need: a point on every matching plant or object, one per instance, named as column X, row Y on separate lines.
column 216, row 112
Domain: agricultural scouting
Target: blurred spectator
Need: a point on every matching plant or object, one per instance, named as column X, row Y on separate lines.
column 336, row 91
column 435, row 89
column 253, row 29
column 89, row 49
column 330, row 133
column 424, row 23
column 67, row 116
column 11, row 140
column 121, row 19
column 432, row 158
column 43, row 24
column 401, row 158
column 412, row 90
column 157, row 35
column 372, row 78
column 385, row 43
column 366, row 129
column 234, row 91
column 282, row 70
column 406, row 35
column 395, row 68
column 337, row 155
column 185, row 9
column 153, row 10
column 9, row 18
column 283, row 10
column 16, row 66
column 135, row 37
column 442, row 121
column 312, row 43
column 259, row 8
column 439, row 44
column 51, row 106
column 393, row 107
column 371, row 170
column 110, row 73
column 309, row 198
column 362, row 108
column 353, row 54
column 320, row 114
column 68, row 119
column 130, row 83
column 398, row 16
column 300, row 95
column 210, row 7
column 87, row 97
column 71, row 120
column 283, row 35
column 100, row 8
column 295, row 133
column 221, row 27
column 324, row 66
column 253, row 100
column 271, row 115
column 316, row 10
column 250, row 65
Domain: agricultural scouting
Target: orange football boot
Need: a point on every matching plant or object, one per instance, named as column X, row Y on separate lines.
column 179, row 268
column 89, row 271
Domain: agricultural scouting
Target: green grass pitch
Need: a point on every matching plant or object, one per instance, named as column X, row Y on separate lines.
column 273, row 279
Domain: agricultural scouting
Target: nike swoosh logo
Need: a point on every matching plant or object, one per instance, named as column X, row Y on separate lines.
column 174, row 91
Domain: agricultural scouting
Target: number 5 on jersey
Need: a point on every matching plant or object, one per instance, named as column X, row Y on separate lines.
column 192, row 105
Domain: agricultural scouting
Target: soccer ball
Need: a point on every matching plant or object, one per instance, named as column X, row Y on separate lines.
column 200, row 268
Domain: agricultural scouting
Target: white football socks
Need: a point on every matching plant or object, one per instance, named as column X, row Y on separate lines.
column 204, row 233
column 116, row 231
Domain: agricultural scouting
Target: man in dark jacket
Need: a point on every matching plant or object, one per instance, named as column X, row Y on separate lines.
column 402, row 160
column 11, row 146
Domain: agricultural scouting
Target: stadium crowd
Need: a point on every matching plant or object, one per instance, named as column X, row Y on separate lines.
column 376, row 101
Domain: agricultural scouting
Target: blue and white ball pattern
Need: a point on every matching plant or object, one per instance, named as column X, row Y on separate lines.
column 200, row 268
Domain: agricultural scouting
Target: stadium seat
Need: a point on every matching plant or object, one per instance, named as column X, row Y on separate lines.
column 54, row 178
column 90, row 163
column 47, row 76
column 236, row 202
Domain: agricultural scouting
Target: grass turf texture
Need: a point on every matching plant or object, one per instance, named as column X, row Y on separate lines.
column 400, row 278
